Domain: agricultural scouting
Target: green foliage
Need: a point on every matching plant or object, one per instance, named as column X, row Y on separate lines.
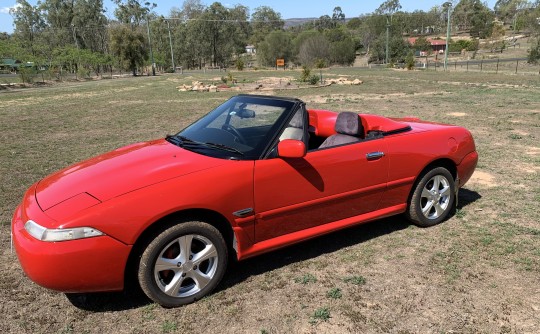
column 398, row 49
column 356, row 280
column 277, row 45
column 534, row 53
column 320, row 63
column 422, row 44
column 313, row 79
column 27, row 74
column 305, row 279
column 305, row 74
column 320, row 314
column 312, row 49
column 409, row 60
column 334, row 293
column 474, row 16
column 264, row 20
column 169, row 326
column 240, row 64
column 463, row 44
column 130, row 47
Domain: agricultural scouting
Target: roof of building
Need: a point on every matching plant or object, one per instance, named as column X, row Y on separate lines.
column 412, row 40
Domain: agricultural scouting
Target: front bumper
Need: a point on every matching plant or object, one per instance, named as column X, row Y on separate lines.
column 83, row 265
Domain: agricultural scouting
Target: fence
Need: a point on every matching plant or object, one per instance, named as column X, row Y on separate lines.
column 498, row 65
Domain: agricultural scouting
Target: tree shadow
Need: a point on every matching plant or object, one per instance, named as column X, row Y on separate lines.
column 238, row 272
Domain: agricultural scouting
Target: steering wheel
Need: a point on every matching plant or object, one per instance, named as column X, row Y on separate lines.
column 234, row 131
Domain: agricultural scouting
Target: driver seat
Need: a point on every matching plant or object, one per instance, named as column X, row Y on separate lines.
column 349, row 129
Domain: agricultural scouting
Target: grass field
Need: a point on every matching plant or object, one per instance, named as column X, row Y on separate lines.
column 478, row 272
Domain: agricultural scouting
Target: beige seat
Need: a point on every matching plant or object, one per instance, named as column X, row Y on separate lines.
column 295, row 129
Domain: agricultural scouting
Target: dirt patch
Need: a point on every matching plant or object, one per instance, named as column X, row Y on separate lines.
column 532, row 150
column 483, row 178
column 457, row 114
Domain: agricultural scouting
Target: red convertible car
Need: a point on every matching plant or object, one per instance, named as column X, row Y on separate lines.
column 255, row 174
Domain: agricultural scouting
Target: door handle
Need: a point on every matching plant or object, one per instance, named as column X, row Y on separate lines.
column 374, row 155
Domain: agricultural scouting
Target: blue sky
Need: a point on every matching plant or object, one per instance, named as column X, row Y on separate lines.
column 287, row 8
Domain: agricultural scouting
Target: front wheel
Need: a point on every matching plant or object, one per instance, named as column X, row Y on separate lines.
column 183, row 264
column 433, row 198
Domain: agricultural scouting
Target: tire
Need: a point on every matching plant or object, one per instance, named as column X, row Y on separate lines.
column 433, row 198
column 183, row 264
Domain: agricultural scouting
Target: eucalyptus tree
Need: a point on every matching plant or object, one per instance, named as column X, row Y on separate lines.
column 263, row 21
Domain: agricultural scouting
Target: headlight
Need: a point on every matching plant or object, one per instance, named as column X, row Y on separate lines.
column 60, row 234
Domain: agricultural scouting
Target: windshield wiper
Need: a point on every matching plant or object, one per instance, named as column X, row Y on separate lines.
column 180, row 140
column 223, row 147
column 184, row 141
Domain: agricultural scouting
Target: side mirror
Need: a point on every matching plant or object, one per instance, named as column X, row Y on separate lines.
column 291, row 148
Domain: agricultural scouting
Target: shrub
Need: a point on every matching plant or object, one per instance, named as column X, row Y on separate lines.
column 240, row 64
column 409, row 61
column 306, row 72
column 313, row 79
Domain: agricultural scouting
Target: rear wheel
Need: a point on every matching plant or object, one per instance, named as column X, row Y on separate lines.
column 183, row 263
column 433, row 198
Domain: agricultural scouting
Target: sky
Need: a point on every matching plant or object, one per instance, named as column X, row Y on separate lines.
column 287, row 8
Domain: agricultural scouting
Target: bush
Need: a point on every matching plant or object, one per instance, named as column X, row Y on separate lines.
column 534, row 54
column 313, row 79
column 306, row 72
column 240, row 64
column 409, row 61
column 27, row 74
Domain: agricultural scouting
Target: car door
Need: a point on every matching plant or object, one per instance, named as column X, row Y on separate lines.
column 325, row 186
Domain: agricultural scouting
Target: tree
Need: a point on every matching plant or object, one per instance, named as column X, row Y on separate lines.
column 314, row 49
column 263, row 21
column 324, row 22
column 90, row 25
column 473, row 15
column 397, row 49
column 389, row 7
column 507, row 10
column 337, row 15
column 534, row 54
column 422, row 44
column 28, row 24
column 132, row 12
column 129, row 46
column 496, row 36
column 277, row 45
column 224, row 31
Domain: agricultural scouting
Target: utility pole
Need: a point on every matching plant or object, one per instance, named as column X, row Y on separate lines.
column 387, row 37
column 170, row 43
column 150, row 45
column 448, row 5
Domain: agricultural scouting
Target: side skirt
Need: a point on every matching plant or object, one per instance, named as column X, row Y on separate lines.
column 244, row 252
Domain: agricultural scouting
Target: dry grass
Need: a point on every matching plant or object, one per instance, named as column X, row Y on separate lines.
column 477, row 272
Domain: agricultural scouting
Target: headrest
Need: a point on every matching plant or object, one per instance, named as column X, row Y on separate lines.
column 348, row 123
column 297, row 121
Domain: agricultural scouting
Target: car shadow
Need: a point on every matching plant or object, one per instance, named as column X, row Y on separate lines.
column 238, row 272
column 467, row 197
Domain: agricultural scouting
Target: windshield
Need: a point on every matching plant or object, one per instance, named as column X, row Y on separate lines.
column 241, row 128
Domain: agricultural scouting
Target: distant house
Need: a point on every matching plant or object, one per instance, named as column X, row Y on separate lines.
column 437, row 45
column 8, row 64
column 250, row 49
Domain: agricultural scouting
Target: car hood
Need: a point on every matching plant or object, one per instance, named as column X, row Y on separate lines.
column 120, row 171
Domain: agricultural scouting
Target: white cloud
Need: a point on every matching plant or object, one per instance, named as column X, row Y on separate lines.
column 6, row 10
